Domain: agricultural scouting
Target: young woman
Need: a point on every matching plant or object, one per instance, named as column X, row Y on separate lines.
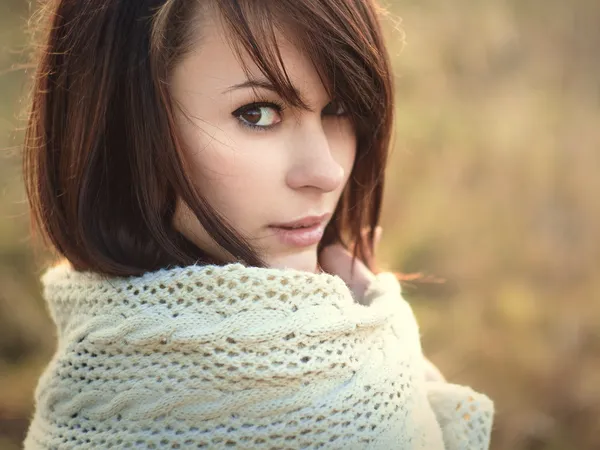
column 205, row 169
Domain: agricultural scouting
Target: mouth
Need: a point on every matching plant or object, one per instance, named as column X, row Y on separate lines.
column 305, row 222
column 303, row 232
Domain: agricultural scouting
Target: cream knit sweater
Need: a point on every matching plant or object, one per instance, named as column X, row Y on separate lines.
column 242, row 358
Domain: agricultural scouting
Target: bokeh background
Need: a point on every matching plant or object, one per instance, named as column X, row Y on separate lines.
column 493, row 187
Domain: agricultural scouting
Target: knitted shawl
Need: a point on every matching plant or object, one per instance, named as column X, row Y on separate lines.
column 242, row 358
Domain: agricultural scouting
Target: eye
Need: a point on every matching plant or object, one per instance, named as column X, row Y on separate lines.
column 259, row 115
column 334, row 108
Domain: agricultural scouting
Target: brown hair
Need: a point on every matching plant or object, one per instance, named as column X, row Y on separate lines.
column 102, row 160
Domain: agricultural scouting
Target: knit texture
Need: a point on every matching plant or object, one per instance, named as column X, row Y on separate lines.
column 242, row 358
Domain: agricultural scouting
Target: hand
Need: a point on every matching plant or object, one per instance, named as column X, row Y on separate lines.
column 336, row 260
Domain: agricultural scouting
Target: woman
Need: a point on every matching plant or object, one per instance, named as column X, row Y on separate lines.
column 205, row 170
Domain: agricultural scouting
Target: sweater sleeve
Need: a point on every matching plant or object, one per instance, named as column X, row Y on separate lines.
column 465, row 416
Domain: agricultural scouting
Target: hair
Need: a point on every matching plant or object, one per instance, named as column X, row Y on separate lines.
column 103, row 160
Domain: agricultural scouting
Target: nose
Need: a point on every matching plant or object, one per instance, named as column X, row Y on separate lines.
column 313, row 164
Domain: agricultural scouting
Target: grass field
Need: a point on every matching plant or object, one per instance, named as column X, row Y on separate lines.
column 493, row 186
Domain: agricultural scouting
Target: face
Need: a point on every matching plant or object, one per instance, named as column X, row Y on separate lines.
column 261, row 163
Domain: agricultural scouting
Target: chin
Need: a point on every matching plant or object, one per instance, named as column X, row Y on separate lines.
column 305, row 261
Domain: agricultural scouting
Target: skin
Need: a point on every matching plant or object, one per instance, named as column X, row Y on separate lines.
column 295, row 165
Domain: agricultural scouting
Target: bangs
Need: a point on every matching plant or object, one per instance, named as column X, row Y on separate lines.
column 344, row 42
column 338, row 38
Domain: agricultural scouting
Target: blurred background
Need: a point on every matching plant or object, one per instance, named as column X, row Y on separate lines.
column 493, row 187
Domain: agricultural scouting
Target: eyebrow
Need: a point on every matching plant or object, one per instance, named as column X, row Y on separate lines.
column 262, row 84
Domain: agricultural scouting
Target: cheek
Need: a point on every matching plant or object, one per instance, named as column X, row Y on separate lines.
column 230, row 175
column 343, row 146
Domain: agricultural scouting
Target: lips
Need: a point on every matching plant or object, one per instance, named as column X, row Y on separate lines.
column 301, row 233
column 305, row 222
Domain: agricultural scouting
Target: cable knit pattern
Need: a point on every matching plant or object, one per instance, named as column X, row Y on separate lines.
column 243, row 358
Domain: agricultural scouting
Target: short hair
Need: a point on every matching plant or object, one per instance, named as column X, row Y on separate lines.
column 103, row 160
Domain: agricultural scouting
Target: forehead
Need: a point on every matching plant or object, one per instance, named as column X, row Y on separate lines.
column 213, row 65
